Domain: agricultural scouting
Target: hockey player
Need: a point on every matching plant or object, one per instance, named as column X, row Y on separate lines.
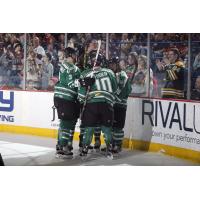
column 65, row 100
column 120, row 106
column 99, row 107
column 84, row 63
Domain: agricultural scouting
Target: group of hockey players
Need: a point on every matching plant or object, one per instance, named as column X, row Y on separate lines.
column 94, row 90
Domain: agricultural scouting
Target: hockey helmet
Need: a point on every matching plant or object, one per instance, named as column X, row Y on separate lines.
column 92, row 58
column 114, row 60
column 70, row 52
column 114, row 64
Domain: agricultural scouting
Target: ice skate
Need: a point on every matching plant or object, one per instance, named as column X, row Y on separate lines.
column 116, row 149
column 97, row 148
column 109, row 154
column 84, row 153
column 64, row 152
column 90, row 148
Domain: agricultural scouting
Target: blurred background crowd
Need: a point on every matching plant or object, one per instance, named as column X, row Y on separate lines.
column 31, row 61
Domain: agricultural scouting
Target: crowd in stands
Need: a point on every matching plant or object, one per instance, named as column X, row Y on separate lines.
column 11, row 60
column 44, row 52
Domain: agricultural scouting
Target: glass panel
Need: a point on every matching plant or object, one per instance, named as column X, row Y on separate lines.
column 45, row 51
column 132, row 51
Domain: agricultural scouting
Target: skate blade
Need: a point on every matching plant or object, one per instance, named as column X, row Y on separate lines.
column 110, row 157
column 60, row 156
column 67, row 156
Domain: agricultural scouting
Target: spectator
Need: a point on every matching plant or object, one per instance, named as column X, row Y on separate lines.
column 113, row 46
column 92, row 45
column 13, row 40
column 32, row 69
column 48, row 39
column 174, row 79
column 61, row 39
column 125, row 45
column 52, row 50
column 71, row 43
column 160, row 73
column 122, row 64
column 31, row 85
column 61, row 53
column 132, row 64
column 37, row 48
column 1, row 48
column 46, row 72
column 5, row 66
column 16, row 75
column 52, row 83
column 140, row 81
column 195, row 95
column 195, row 74
column 196, row 63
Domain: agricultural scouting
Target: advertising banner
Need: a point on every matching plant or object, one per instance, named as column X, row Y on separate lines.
column 174, row 123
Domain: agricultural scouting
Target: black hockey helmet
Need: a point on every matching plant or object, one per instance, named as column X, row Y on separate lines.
column 114, row 64
column 114, row 60
column 92, row 57
column 70, row 52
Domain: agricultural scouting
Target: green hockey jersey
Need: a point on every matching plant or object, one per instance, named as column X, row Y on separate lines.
column 104, row 88
column 124, row 88
column 66, row 87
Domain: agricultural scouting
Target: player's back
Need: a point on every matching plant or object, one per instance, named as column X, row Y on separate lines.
column 104, row 88
column 65, row 88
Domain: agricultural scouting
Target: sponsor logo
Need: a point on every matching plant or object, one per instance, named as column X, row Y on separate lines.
column 6, row 105
column 173, row 114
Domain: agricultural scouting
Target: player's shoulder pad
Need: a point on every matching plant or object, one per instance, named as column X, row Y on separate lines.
column 123, row 74
column 108, row 70
column 66, row 65
column 62, row 67
column 77, row 68
column 86, row 72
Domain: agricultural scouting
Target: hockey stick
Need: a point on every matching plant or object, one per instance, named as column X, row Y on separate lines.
column 89, row 87
column 133, row 76
column 98, row 49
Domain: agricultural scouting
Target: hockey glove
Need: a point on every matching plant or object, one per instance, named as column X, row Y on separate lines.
column 87, row 81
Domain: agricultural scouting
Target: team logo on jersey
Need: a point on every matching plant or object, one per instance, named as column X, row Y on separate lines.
column 70, row 77
column 97, row 94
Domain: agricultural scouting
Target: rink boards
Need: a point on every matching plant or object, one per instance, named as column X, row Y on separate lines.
column 168, row 126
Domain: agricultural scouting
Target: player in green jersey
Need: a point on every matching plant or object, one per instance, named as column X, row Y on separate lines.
column 65, row 100
column 120, row 106
column 100, row 99
column 83, row 64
